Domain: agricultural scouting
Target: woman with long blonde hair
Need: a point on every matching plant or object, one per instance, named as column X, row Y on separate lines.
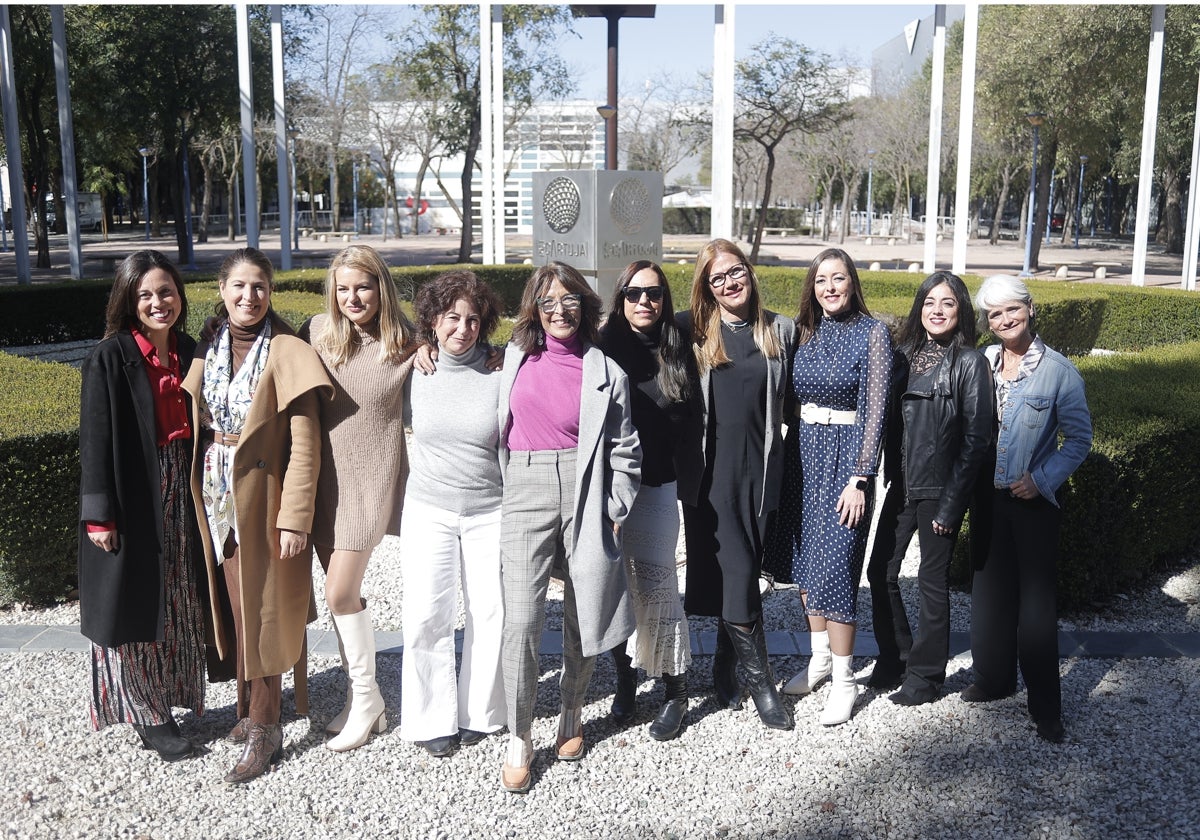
column 744, row 355
column 365, row 342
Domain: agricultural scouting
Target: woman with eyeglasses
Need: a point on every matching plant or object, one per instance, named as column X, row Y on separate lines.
column 572, row 466
column 641, row 336
column 841, row 384
column 743, row 352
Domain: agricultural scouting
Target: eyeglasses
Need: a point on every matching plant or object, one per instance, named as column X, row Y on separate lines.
column 633, row 294
column 570, row 303
column 736, row 274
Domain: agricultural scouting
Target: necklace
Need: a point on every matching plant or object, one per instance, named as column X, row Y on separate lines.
column 735, row 326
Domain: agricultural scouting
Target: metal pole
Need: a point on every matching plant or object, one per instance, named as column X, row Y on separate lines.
column 610, row 125
column 246, row 97
column 498, row 237
column 295, row 200
column 870, row 176
column 187, row 199
column 66, row 139
column 487, row 160
column 145, row 153
column 12, row 144
column 1050, row 208
column 722, row 127
column 1083, row 159
column 934, row 162
column 966, row 128
column 354, row 178
column 284, row 196
column 1141, row 234
column 1025, row 272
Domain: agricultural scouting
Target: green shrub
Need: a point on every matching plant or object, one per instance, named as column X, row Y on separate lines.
column 39, row 479
column 45, row 313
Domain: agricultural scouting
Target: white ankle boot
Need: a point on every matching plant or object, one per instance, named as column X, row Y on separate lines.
column 366, row 706
column 339, row 720
column 819, row 665
column 842, row 694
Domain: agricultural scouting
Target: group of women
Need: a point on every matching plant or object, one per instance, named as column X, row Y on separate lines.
column 211, row 470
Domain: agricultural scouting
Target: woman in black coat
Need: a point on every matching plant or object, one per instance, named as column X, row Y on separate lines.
column 140, row 591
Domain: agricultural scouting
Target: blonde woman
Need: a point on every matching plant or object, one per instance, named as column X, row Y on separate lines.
column 365, row 342
column 744, row 355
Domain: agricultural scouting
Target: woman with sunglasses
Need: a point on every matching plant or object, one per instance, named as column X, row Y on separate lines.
column 641, row 336
column 744, row 355
column 571, row 464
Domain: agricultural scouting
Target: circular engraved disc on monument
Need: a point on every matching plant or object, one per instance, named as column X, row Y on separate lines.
column 560, row 204
column 630, row 205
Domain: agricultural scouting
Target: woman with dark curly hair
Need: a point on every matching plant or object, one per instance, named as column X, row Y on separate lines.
column 572, row 465
column 141, row 589
column 451, row 529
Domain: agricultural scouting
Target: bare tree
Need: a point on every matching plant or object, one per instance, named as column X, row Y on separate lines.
column 659, row 133
column 784, row 89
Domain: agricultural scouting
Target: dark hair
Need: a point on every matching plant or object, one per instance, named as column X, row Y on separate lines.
column 121, row 312
column 672, row 351
column 260, row 261
column 912, row 332
column 810, row 311
column 528, row 329
column 444, row 291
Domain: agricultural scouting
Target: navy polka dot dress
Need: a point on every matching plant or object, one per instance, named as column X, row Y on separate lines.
column 845, row 366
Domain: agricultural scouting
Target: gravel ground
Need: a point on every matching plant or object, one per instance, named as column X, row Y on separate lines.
column 947, row 769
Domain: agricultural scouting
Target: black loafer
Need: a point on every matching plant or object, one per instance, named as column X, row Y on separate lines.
column 904, row 698
column 467, row 737
column 975, row 694
column 440, row 747
column 166, row 741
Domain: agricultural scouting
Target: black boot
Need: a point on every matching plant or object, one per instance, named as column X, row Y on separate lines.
column 888, row 673
column 724, row 667
column 623, row 704
column 751, row 647
column 165, row 739
column 670, row 717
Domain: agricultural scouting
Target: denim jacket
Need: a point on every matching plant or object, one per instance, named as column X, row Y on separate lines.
column 1039, row 408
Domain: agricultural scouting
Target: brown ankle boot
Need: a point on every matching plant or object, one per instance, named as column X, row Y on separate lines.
column 264, row 747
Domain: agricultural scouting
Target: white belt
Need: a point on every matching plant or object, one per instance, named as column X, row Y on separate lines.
column 813, row 413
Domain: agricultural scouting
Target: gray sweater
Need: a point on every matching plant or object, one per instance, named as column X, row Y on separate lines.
column 453, row 452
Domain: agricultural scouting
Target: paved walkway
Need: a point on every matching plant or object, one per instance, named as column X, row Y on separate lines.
column 26, row 638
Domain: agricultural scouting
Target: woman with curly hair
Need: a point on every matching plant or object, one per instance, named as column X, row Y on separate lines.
column 451, row 530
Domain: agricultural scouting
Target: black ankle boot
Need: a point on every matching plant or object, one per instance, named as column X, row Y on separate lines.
column 888, row 673
column 165, row 740
column 751, row 647
column 623, row 704
column 724, row 668
column 670, row 717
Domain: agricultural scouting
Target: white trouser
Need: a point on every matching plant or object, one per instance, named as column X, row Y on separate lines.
column 439, row 548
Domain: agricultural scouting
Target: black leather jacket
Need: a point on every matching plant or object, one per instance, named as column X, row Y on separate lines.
column 947, row 433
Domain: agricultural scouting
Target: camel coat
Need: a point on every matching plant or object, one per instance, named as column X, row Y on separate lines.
column 276, row 464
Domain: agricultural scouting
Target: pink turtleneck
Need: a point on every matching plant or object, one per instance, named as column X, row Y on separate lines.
column 544, row 404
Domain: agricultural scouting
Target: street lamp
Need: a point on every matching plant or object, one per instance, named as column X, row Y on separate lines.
column 293, row 133
column 870, row 172
column 145, row 152
column 1083, row 159
column 1035, row 119
column 608, row 113
column 187, row 191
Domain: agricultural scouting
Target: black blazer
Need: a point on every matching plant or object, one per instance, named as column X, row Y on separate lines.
column 121, row 596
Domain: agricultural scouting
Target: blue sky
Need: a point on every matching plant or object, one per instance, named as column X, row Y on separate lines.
column 679, row 38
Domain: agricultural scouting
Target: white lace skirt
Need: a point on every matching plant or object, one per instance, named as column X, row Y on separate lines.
column 649, row 536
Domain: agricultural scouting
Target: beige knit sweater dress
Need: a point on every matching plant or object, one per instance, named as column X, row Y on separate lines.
column 364, row 460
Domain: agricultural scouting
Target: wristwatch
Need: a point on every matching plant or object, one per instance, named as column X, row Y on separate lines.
column 861, row 484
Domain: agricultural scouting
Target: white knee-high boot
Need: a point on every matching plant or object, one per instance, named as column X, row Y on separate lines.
column 366, row 706
column 842, row 694
column 818, row 668
column 339, row 720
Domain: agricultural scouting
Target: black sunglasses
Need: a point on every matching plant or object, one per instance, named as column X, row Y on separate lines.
column 634, row 293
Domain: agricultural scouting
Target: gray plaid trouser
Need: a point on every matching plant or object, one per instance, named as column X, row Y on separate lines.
column 535, row 536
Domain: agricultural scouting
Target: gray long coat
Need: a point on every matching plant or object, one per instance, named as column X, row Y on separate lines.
column 607, row 478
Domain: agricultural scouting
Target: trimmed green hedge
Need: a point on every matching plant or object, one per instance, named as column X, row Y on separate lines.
column 46, row 313
column 39, row 479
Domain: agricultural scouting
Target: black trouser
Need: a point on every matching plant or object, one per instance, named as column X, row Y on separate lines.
column 1014, row 617
column 888, row 618
column 931, row 646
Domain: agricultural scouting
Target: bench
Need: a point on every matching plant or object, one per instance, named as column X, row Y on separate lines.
column 1100, row 268
column 108, row 262
column 778, row 231
column 1062, row 268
